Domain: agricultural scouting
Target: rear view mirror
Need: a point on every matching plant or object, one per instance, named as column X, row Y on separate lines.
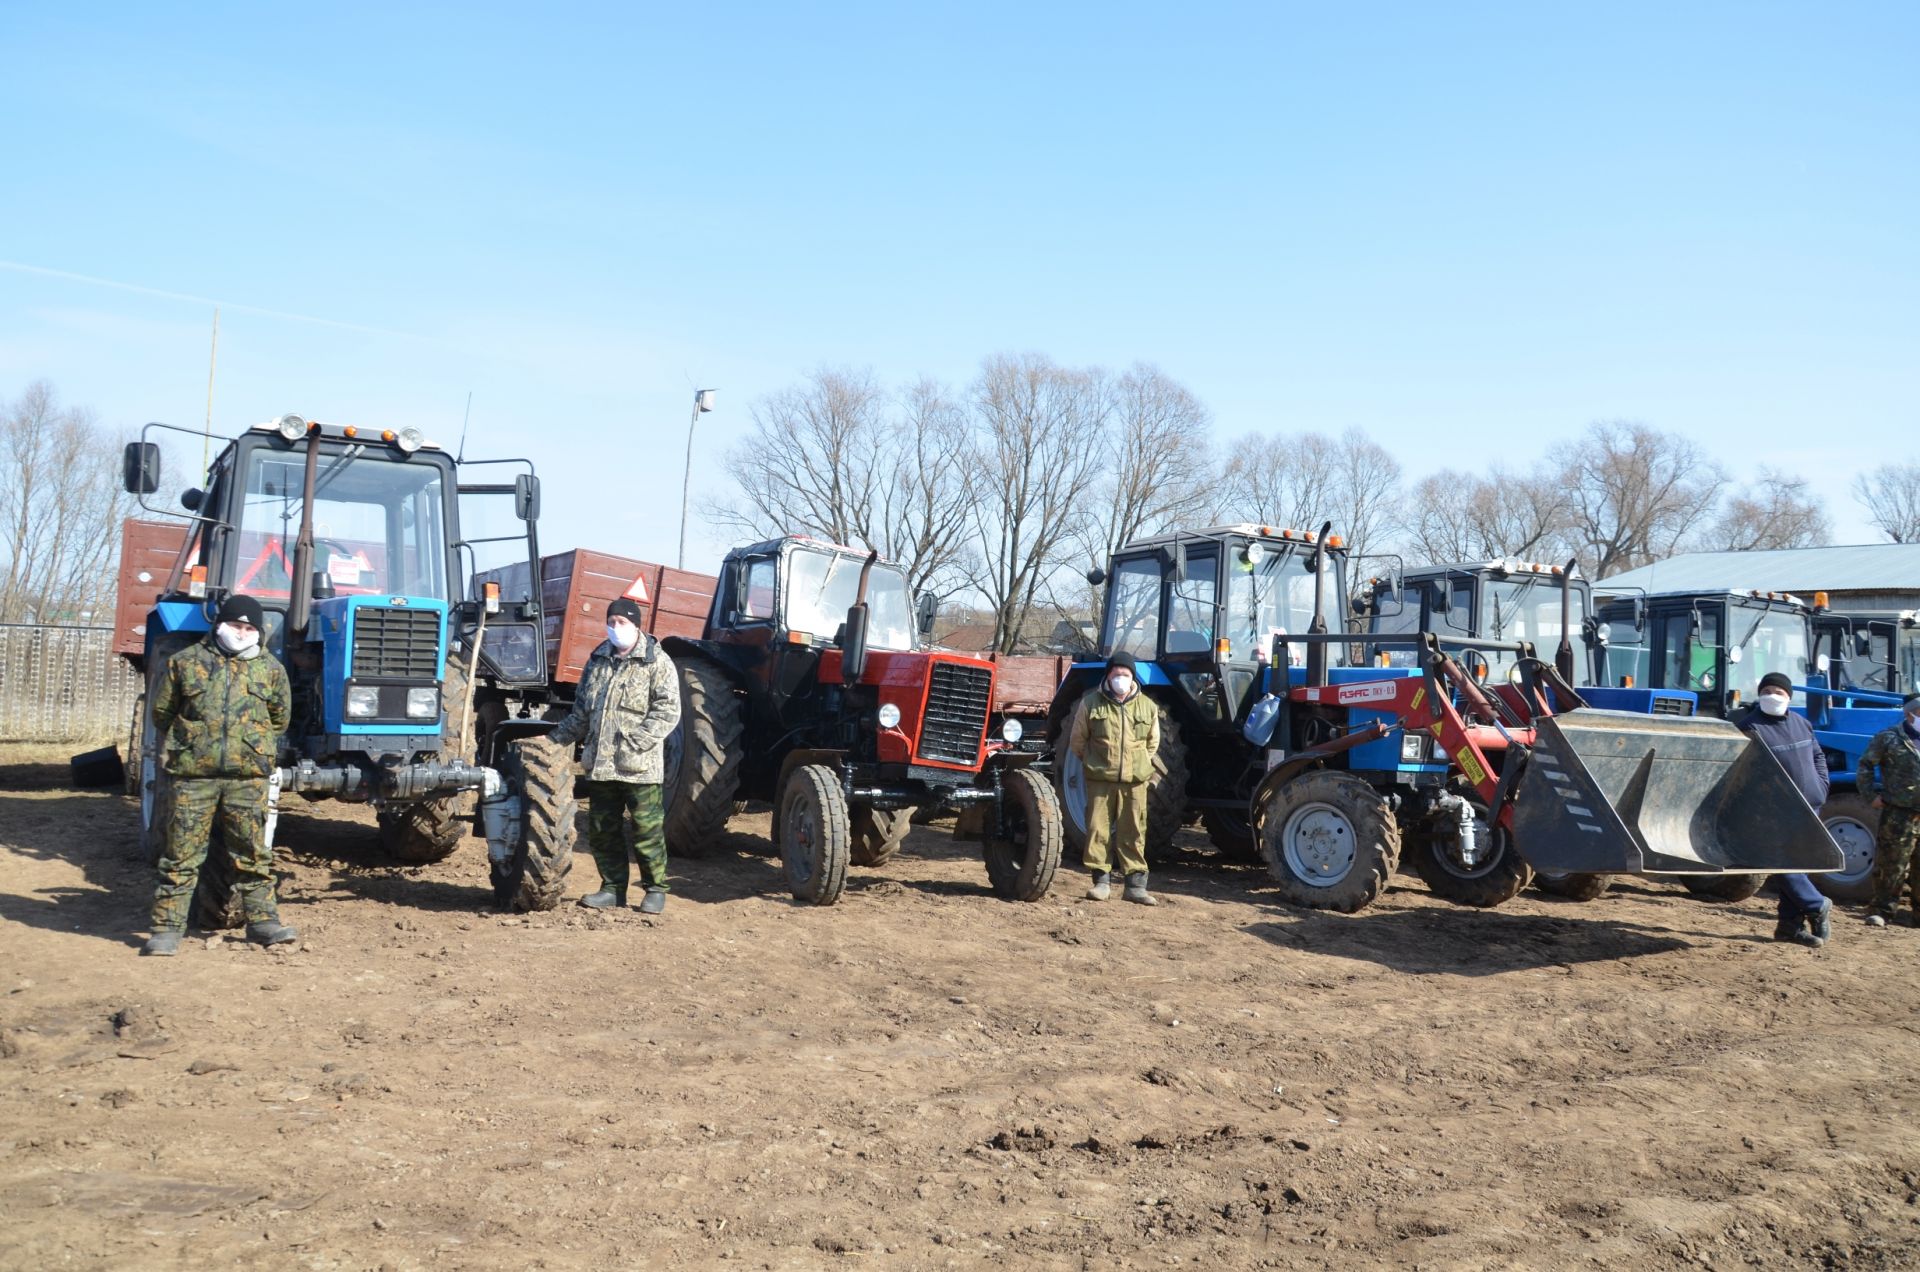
column 1096, row 576
column 140, row 468
column 1439, row 599
column 526, row 497
column 1177, row 562
column 926, row 607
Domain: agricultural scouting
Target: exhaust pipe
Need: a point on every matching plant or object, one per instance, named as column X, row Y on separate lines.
column 1563, row 657
column 1317, row 650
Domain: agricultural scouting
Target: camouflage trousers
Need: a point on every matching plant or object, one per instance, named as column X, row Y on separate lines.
column 625, row 819
column 1896, row 860
column 1116, row 821
column 237, row 807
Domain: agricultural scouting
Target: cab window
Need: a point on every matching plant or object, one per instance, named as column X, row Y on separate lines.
column 1191, row 608
column 1133, row 607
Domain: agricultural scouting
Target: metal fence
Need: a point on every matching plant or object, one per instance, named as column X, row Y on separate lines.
column 63, row 684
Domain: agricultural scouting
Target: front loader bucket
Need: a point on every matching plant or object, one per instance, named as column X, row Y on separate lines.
column 1618, row 792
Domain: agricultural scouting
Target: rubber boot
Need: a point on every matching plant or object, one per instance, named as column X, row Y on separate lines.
column 1100, row 889
column 605, row 899
column 654, row 902
column 163, row 944
column 1137, row 890
column 1788, row 928
column 271, row 932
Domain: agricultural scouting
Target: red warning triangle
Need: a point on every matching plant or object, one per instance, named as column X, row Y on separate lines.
column 638, row 592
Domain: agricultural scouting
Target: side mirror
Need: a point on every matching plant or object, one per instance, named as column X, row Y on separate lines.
column 140, row 468
column 192, row 499
column 1177, row 561
column 1440, row 599
column 926, row 607
column 1862, row 643
column 526, row 497
column 1096, row 576
column 853, row 645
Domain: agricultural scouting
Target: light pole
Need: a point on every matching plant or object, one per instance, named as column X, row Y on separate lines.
column 702, row 401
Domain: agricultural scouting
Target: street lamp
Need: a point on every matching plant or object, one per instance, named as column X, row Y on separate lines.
column 702, row 401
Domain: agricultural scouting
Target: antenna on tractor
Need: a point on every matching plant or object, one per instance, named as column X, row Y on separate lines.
column 463, row 428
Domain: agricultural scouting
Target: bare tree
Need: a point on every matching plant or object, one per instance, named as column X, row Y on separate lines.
column 1456, row 516
column 1777, row 511
column 1891, row 496
column 60, row 510
column 1635, row 494
column 813, row 459
column 1303, row 480
column 1038, row 459
column 919, row 517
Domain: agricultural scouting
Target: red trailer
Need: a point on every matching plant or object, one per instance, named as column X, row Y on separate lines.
column 576, row 587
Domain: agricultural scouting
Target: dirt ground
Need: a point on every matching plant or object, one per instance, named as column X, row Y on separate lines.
column 926, row 1077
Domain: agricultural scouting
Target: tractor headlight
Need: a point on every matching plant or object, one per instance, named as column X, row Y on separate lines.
column 410, row 440
column 290, row 427
column 363, row 702
column 1415, row 748
column 423, row 704
column 889, row 715
column 1011, row 730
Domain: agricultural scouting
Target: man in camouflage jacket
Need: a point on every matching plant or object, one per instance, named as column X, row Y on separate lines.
column 627, row 705
column 219, row 708
column 1896, row 863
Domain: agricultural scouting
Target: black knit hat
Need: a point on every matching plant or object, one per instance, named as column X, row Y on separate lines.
column 624, row 607
column 1776, row 680
column 240, row 608
column 1121, row 658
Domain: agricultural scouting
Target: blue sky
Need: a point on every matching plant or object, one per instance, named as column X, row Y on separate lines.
column 1467, row 229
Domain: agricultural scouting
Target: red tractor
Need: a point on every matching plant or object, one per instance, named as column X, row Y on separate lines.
column 811, row 690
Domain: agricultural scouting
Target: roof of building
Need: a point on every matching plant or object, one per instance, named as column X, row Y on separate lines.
column 1858, row 567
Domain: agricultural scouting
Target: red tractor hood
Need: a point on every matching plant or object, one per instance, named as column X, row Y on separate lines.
column 945, row 701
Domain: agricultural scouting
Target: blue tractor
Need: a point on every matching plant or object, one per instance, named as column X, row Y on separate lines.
column 1719, row 644
column 353, row 541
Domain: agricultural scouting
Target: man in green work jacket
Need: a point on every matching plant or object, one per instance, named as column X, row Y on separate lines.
column 1116, row 734
column 1896, row 849
column 219, row 710
column 627, row 706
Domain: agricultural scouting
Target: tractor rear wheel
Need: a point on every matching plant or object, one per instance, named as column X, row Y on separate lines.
column 1854, row 823
column 814, row 834
column 534, row 875
column 1021, row 867
column 1496, row 878
column 1730, row 887
column 1574, row 886
column 1330, row 840
column 1230, row 832
column 878, row 834
column 1166, row 795
column 702, row 759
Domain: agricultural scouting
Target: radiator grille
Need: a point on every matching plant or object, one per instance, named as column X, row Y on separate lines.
column 394, row 642
column 1672, row 706
column 958, row 700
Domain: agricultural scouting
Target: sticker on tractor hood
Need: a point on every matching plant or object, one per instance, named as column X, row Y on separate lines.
column 1376, row 691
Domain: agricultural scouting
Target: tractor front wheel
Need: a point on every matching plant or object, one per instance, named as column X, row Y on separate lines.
column 1729, row 887
column 534, row 874
column 1496, row 877
column 1021, row 866
column 1854, row 823
column 1330, row 840
column 1572, row 886
column 702, row 759
column 420, row 833
column 815, row 834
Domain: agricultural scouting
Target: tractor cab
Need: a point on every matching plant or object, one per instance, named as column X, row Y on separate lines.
column 1504, row 601
column 1876, row 653
column 1717, row 645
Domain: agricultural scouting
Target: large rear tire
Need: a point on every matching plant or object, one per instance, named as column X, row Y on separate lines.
column 1727, row 888
column 814, row 834
column 1231, row 833
column 1495, row 879
column 534, row 876
column 1854, row 823
column 702, row 759
column 878, row 834
column 1330, row 840
column 1021, row 867
column 1574, row 886
column 1166, row 795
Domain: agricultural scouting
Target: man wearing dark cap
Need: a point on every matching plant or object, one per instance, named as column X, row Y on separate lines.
column 1805, row 915
column 219, row 708
column 1116, row 734
column 1895, row 752
column 627, row 705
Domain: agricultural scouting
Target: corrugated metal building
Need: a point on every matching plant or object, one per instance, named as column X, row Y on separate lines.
column 1857, row 578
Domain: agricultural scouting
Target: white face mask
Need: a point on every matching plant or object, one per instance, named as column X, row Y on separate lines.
column 1120, row 684
column 1773, row 704
column 234, row 640
column 622, row 633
